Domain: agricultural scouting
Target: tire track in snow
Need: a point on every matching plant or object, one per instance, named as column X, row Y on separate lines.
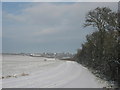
column 66, row 74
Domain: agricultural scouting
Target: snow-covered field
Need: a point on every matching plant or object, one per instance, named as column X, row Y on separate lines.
column 46, row 74
column 0, row 70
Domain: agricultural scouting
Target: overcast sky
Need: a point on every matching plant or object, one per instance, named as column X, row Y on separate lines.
column 46, row 27
column 0, row 27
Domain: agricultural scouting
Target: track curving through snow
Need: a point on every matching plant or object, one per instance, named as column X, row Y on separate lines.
column 63, row 74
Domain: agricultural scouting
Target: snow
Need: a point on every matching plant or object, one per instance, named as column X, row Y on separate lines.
column 0, row 70
column 47, row 74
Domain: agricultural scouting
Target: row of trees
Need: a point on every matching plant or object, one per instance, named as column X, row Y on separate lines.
column 101, row 51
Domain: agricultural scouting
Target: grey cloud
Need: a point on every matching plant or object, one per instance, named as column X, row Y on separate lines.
column 43, row 25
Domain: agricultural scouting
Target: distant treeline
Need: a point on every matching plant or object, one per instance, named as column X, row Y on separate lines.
column 101, row 51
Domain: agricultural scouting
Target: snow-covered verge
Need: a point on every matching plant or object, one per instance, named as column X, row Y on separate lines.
column 48, row 74
column 0, row 71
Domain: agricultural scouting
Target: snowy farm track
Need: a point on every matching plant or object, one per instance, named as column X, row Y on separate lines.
column 55, row 74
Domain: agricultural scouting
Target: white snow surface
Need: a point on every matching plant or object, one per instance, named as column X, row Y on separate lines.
column 46, row 74
column 0, row 70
